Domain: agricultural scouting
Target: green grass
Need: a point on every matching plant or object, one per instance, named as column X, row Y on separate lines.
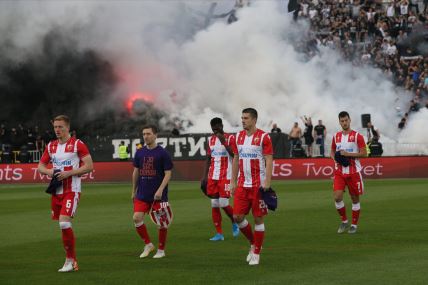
column 301, row 244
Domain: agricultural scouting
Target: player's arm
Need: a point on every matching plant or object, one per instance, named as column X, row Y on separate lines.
column 86, row 167
column 134, row 181
column 224, row 142
column 207, row 167
column 333, row 148
column 268, row 156
column 165, row 180
column 43, row 169
column 43, row 163
column 269, row 167
column 235, row 166
column 229, row 149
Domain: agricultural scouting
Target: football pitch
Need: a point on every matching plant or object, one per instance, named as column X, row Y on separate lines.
column 301, row 244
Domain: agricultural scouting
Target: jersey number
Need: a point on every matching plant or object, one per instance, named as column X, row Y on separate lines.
column 68, row 204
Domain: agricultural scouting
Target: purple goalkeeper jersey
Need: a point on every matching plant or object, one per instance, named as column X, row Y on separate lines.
column 152, row 164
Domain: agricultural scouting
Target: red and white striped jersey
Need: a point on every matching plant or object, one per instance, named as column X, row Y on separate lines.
column 221, row 161
column 251, row 151
column 351, row 142
column 66, row 156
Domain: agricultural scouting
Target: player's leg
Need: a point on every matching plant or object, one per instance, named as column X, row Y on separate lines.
column 339, row 184
column 216, row 217
column 224, row 193
column 356, row 188
column 162, row 234
column 140, row 209
column 242, row 206
column 213, row 191
column 68, row 209
column 259, row 210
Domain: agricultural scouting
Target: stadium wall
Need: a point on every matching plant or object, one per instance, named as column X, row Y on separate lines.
column 319, row 168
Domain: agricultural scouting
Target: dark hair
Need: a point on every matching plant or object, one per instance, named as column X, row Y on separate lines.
column 216, row 121
column 344, row 114
column 152, row 127
column 250, row 111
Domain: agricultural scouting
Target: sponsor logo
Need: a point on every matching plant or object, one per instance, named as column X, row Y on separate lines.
column 60, row 163
column 218, row 153
column 244, row 154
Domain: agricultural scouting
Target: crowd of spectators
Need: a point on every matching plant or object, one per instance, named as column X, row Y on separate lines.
column 21, row 140
column 387, row 34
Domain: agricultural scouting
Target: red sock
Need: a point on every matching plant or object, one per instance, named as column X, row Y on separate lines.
column 342, row 213
column 248, row 233
column 162, row 238
column 142, row 232
column 355, row 216
column 216, row 214
column 229, row 212
column 69, row 242
column 258, row 241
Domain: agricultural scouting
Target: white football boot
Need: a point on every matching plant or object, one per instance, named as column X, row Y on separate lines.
column 159, row 254
column 69, row 266
column 250, row 253
column 255, row 259
column 147, row 249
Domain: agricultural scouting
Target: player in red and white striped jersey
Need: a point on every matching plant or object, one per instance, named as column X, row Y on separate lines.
column 253, row 161
column 217, row 174
column 71, row 157
column 350, row 144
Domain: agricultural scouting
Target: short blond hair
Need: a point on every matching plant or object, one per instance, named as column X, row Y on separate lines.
column 63, row 118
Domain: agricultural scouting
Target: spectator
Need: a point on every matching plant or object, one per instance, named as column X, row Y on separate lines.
column 372, row 133
column 295, row 134
column 320, row 133
column 307, row 134
column 123, row 151
column 402, row 123
column 375, row 147
column 368, row 32
column 275, row 128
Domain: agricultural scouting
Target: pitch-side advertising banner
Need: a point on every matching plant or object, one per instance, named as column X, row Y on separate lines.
column 321, row 168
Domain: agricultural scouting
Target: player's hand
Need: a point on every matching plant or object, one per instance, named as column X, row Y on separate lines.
column 344, row 153
column 158, row 195
column 221, row 137
column 133, row 194
column 265, row 187
column 63, row 175
column 50, row 172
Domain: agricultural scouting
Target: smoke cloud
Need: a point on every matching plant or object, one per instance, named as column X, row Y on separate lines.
column 193, row 72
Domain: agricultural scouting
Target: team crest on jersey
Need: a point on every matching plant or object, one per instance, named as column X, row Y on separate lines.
column 351, row 138
column 69, row 147
column 256, row 140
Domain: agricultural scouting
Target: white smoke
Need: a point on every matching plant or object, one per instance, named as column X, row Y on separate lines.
column 162, row 45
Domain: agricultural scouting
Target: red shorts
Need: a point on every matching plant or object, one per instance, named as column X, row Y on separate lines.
column 353, row 181
column 247, row 198
column 142, row 206
column 64, row 204
column 218, row 188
